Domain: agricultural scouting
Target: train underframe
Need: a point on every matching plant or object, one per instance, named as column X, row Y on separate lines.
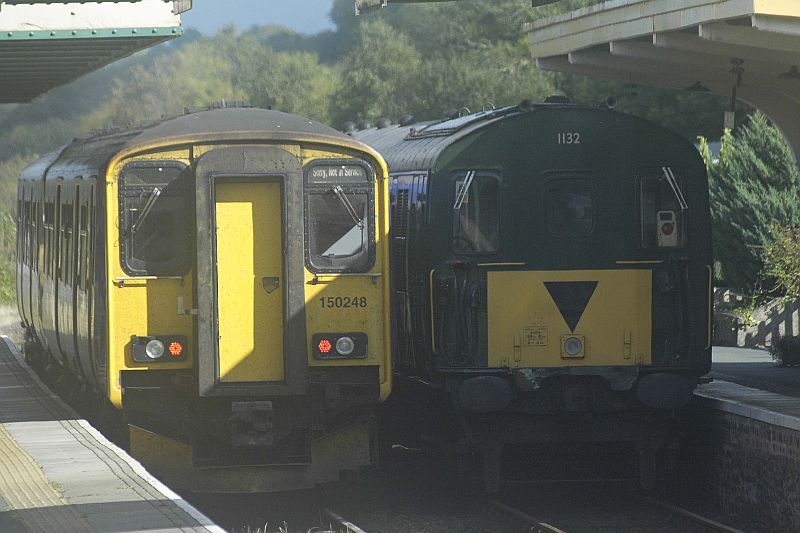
column 236, row 444
column 561, row 410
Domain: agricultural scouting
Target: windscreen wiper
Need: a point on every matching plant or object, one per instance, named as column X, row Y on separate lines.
column 339, row 192
column 146, row 208
column 676, row 189
column 462, row 194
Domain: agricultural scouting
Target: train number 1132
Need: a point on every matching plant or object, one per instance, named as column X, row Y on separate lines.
column 569, row 137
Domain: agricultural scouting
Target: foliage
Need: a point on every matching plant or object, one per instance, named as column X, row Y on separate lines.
column 690, row 114
column 782, row 259
column 786, row 351
column 380, row 75
column 7, row 247
column 419, row 59
column 753, row 184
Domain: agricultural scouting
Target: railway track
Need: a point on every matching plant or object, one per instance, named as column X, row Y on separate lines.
column 513, row 520
column 712, row 525
column 339, row 524
column 521, row 521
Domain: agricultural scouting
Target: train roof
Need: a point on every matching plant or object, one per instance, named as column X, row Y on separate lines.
column 215, row 125
column 417, row 146
column 234, row 122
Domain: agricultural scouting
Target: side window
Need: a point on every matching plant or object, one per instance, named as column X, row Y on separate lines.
column 65, row 247
column 82, row 245
column 476, row 214
column 90, row 236
column 154, row 206
column 663, row 221
column 340, row 216
column 49, row 223
column 569, row 207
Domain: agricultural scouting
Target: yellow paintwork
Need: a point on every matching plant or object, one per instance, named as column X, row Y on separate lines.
column 526, row 329
column 345, row 449
column 249, row 248
column 372, row 320
column 145, row 306
column 140, row 306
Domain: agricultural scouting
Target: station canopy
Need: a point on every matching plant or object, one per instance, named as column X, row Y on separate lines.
column 45, row 44
column 750, row 48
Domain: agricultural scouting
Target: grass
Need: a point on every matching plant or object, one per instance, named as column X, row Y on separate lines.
column 7, row 253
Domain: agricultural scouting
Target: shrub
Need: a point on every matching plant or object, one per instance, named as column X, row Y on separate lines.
column 752, row 186
column 7, row 254
column 786, row 351
column 782, row 260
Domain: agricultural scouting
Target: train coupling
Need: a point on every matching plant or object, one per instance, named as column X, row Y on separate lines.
column 251, row 424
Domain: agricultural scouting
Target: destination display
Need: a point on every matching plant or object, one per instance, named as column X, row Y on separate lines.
column 337, row 173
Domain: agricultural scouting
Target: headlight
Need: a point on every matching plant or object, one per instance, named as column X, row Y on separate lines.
column 345, row 346
column 572, row 346
column 159, row 349
column 339, row 346
column 154, row 349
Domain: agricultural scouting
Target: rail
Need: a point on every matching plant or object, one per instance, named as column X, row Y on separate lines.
column 711, row 524
column 535, row 526
column 342, row 525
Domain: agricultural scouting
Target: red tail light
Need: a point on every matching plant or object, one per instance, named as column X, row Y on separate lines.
column 175, row 349
column 325, row 346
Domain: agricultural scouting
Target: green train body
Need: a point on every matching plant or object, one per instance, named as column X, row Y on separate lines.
column 549, row 262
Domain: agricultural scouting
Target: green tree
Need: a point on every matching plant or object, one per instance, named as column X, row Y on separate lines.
column 752, row 186
column 294, row 82
column 381, row 75
column 782, row 260
column 500, row 74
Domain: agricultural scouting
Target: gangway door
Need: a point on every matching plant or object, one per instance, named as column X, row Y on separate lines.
column 251, row 324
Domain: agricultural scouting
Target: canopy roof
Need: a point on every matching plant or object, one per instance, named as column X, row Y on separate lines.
column 707, row 45
column 44, row 44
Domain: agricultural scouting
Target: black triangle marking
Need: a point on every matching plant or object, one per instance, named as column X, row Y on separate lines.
column 571, row 298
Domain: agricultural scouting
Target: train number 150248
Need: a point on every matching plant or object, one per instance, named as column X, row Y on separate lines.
column 343, row 302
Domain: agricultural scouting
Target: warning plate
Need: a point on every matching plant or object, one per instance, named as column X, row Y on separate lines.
column 535, row 336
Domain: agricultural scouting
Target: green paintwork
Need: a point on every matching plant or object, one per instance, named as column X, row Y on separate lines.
column 106, row 33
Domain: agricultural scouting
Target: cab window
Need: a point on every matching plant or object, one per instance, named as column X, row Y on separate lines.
column 476, row 214
column 569, row 207
column 663, row 221
column 154, row 218
column 340, row 216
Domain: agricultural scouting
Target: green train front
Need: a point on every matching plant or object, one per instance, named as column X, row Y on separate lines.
column 239, row 307
column 549, row 259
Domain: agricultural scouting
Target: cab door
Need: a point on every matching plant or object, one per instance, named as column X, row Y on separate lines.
column 251, row 315
column 248, row 246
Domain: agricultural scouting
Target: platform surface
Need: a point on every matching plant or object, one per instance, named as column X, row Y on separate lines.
column 755, row 369
column 59, row 474
column 769, row 407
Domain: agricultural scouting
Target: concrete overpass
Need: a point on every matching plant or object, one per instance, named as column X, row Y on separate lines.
column 44, row 44
column 746, row 48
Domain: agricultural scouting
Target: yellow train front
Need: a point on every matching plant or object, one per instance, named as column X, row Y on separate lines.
column 221, row 278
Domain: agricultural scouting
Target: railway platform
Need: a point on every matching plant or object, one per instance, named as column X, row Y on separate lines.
column 755, row 369
column 57, row 473
column 742, row 446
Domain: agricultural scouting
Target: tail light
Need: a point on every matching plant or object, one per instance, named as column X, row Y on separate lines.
column 159, row 349
column 339, row 346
